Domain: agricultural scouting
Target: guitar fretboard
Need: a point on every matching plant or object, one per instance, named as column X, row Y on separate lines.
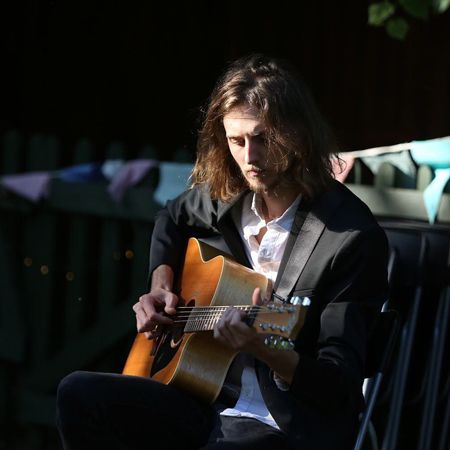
column 204, row 318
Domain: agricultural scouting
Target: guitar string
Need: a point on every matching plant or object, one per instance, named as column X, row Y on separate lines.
column 197, row 319
column 213, row 313
column 196, row 313
column 205, row 311
column 200, row 313
column 224, row 307
column 215, row 309
column 219, row 306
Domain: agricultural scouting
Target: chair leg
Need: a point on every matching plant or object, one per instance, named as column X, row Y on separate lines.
column 373, row 436
column 436, row 360
column 444, row 440
column 365, row 419
column 405, row 351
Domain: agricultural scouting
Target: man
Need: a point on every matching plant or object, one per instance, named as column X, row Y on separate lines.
column 262, row 186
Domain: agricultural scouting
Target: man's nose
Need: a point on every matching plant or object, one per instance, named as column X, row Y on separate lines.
column 250, row 152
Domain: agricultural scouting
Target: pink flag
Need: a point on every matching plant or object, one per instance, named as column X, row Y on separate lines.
column 341, row 173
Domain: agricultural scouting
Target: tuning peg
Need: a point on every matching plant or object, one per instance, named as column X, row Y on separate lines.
column 278, row 343
column 304, row 301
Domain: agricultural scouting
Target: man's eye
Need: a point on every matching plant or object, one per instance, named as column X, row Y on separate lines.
column 237, row 141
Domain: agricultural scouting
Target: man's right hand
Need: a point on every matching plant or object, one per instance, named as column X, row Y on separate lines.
column 152, row 309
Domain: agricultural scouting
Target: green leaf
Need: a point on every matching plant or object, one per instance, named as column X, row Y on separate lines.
column 397, row 28
column 441, row 5
column 416, row 8
column 380, row 12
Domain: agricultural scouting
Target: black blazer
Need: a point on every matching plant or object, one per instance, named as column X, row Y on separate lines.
column 336, row 255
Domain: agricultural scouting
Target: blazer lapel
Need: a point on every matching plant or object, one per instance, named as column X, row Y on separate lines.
column 308, row 226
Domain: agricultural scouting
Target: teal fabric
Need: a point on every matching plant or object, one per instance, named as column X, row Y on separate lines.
column 401, row 160
column 432, row 195
column 434, row 153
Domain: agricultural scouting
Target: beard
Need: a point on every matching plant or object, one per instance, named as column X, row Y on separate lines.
column 267, row 185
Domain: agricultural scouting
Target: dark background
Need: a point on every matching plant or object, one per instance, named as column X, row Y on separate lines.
column 138, row 72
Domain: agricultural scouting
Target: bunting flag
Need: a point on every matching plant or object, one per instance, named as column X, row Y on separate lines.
column 342, row 168
column 82, row 173
column 111, row 167
column 129, row 174
column 173, row 180
column 434, row 153
column 33, row 185
column 401, row 160
column 174, row 177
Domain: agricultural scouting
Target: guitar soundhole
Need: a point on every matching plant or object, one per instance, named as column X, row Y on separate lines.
column 168, row 346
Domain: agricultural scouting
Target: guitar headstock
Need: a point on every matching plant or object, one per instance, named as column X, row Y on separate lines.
column 282, row 319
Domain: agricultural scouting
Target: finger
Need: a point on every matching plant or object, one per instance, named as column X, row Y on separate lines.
column 235, row 317
column 256, row 297
column 171, row 301
column 146, row 323
column 143, row 324
column 149, row 303
column 155, row 332
column 148, row 335
column 151, row 306
column 151, row 335
column 234, row 328
column 222, row 331
column 241, row 330
column 269, row 291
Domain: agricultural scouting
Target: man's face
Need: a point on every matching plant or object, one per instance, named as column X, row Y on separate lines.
column 246, row 138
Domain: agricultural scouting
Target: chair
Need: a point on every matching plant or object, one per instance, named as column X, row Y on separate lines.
column 441, row 333
column 380, row 346
column 413, row 249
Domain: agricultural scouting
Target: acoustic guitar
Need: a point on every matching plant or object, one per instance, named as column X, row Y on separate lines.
column 185, row 354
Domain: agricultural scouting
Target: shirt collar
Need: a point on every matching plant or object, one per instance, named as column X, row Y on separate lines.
column 253, row 219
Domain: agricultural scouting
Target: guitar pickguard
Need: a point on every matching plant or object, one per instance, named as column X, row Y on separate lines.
column 168, row 344
column 167, row 349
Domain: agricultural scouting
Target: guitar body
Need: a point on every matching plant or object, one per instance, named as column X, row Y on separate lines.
column 196, row 362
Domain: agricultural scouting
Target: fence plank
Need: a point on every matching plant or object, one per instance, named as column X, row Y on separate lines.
column 12, row 327
column 111, row 253
column 12, row 330
column 140, row 248
column 12, row 151
column 40, row 245
column 77, row 298
column 84, row 349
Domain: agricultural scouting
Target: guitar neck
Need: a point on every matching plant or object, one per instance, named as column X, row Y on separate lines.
column 203, row 318
column 282, row 320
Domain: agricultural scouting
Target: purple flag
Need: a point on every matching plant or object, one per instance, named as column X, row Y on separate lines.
column 129, row 174
column 32, row 186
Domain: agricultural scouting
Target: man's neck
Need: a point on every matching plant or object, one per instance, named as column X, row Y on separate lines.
column 274, row 205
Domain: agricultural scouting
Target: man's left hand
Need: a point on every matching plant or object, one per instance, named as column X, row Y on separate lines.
column 231, row 329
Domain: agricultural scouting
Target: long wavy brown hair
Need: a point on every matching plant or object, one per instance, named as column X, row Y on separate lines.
column 296, row 133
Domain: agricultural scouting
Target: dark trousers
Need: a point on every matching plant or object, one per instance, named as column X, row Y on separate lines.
column 116, row 412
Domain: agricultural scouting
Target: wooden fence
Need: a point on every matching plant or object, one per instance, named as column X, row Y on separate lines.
column 72, row 265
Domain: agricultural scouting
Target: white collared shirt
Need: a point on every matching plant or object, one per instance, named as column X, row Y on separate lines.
column 265, row 258
column 266, row 255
